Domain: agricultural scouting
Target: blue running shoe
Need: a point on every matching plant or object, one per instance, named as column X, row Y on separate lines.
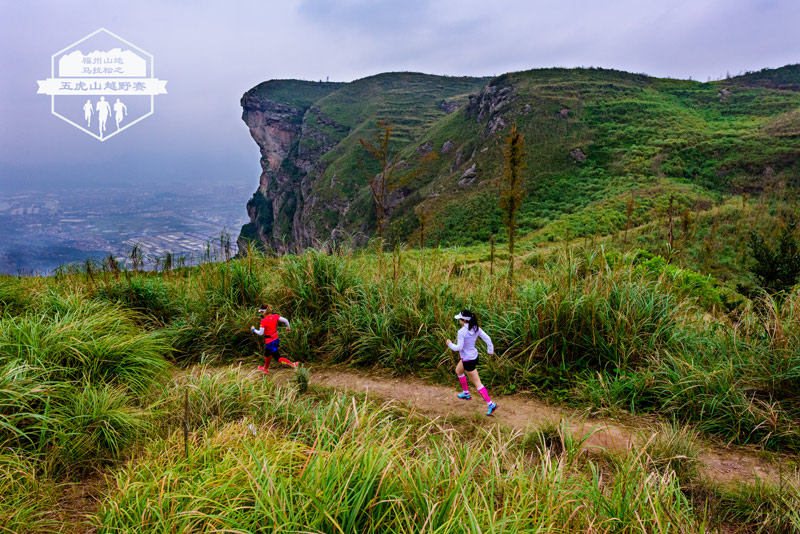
column 492, row 408
column 464, row 395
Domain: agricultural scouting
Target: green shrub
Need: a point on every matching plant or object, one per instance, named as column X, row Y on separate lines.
column 94, row 426
column 149, row 296
column 72, row 377
column 218, row 335
column 13, row 296
column 686, row 283
column 314, row 283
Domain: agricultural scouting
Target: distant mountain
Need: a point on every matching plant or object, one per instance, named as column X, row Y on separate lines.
column 594, row 139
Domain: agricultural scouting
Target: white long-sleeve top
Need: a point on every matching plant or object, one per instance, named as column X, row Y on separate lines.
column 465, row 343
column 260, row 331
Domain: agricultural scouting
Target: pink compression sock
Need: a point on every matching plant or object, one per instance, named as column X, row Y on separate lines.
column 464, row 384
column 485, row 395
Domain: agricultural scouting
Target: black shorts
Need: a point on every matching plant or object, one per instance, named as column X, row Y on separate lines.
column 470, row 365
column 271, row 349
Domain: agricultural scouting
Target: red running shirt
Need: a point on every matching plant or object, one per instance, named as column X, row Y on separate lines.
column 270, row 326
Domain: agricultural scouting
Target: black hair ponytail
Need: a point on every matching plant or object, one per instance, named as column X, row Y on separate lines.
column 473, row 321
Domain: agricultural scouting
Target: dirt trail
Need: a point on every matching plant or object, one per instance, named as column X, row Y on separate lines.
column 720, row 463
column 78, row 504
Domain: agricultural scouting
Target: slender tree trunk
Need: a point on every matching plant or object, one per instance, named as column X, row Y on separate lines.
column 186, row 422
column 491, row 254
column 671, row 235
column 511, row 231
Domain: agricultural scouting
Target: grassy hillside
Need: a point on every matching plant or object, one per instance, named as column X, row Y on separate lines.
column 786, row 77
column 649, row 137
column 595, row 140
column 93, row 382
column 319, row 184
column 410, row 101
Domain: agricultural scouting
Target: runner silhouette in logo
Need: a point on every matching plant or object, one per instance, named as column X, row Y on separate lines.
column 103, row 111
column 119, row 107
column 87, row 113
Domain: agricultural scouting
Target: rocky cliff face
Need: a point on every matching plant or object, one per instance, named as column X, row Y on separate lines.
column 300, row 202
column 276, row 209
column 275, row 128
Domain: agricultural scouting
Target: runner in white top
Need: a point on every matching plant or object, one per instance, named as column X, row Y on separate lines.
column 467, row 336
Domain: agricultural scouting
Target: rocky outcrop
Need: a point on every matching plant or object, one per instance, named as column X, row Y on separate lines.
column 459, row 159
column 311, row 187
column 275, row 127
column 487, row 105
column 448, row 106
column 291, row 159
column 578, row 155
column 469, row 176
column 494, row 124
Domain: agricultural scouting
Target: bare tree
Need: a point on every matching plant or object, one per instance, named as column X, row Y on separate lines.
column 136, row 256
column 628, row 215
column 423, row 216
column 513, row 189
column 393, row 174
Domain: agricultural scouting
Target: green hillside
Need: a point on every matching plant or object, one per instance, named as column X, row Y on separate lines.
column 595, row 138
column 410, row 101
column 653, row 137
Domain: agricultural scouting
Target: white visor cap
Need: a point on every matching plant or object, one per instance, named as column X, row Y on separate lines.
column 459, row 316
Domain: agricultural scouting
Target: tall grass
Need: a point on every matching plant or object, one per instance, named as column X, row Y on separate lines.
column 93, row 426
column 337, row 465
column 582, row 324
column 83, row 385
column 26, row 501
column 13, row 297
column 72, row 375
column 763, row 506
column 154, row 298
column 214, row 395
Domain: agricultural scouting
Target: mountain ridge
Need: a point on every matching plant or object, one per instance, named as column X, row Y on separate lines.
column 594, row 137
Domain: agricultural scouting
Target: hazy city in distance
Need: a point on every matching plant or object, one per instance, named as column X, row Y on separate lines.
column 45, row 229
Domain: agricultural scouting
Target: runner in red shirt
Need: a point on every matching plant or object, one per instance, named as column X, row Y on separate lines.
column 269, row 329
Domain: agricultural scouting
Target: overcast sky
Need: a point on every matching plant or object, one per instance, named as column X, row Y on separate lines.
column 210, row 52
